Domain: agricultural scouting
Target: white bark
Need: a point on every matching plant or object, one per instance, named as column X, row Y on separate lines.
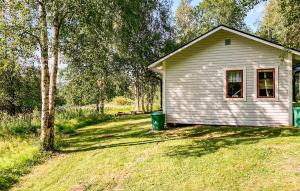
column 45, row 73
column 53, row 78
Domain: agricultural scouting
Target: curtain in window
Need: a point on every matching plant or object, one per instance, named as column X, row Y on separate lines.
column 234, row 84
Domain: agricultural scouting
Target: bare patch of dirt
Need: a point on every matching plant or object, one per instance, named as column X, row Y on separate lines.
column 119, row 178
column 291, row 165
column 77, row 188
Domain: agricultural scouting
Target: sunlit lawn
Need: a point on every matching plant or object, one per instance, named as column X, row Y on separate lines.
column 126, row 155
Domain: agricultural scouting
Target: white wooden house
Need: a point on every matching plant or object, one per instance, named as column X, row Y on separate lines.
column 228, row 77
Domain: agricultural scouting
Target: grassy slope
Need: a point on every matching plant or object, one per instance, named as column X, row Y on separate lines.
column 124, row 154
column 20, row 151
column 17, row 156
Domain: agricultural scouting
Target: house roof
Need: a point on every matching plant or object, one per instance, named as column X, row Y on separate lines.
column 229, row 29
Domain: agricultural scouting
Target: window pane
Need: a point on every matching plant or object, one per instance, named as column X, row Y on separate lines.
column 297, row 87
column 266, row 83
column 234, row 76
column 234, row 84
column 234, row 89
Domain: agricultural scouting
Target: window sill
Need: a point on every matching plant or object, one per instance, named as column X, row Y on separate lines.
column 266, row 99
column 235, row 99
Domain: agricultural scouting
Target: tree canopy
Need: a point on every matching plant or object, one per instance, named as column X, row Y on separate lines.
column 194, row 21
column 281, row 22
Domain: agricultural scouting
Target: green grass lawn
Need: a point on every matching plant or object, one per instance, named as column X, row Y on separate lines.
column 124, row 154
column 19, row 137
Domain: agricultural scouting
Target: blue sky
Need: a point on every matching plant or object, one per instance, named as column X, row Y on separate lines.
column 252, row 20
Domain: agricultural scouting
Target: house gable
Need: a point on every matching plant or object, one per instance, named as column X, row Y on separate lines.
column 156, row 66
column 241, row 50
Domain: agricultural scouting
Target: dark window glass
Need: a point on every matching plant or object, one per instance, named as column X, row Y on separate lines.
column 234, row 85
column 265, row 83
column 297, row 87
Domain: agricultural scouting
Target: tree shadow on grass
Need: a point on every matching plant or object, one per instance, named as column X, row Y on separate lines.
column 122, row 144
column 115, row 132
column 98, row 138
column 210, row 139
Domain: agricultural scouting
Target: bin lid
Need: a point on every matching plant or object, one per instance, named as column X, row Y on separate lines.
column 157, row 113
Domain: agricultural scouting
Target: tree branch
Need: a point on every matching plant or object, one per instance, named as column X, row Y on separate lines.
column 30, row 34
column 61, row 21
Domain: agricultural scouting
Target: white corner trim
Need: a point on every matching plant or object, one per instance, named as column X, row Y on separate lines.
column 289, row 61
column 244, row 98
column 261, row 66
column 164, row 89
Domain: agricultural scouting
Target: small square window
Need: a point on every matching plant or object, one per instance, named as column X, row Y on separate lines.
column 234, row 84
column 227, row 42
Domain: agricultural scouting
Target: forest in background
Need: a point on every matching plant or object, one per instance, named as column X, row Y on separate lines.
column 77, row 53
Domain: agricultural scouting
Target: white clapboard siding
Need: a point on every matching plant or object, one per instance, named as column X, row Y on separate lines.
column 194, row 83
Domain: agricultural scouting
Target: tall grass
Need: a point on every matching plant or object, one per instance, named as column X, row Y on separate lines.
column 71, row 112
column 19, row 146
column 68, row 119
column 17, row 156
column 21, row 124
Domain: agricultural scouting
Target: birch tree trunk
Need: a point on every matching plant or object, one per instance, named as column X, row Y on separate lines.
column 97, row 105
column 147, row 103
column 137, row 96
column 101, row 86
column 161, row 94
column 152, row 95
column 53, row 78
column 142, row 98
column 45, row 74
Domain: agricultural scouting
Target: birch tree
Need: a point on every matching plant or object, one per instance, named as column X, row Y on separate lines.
column 45, row 131
column 48, row 83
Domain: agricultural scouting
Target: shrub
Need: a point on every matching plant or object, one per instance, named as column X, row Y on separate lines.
column 120, row 100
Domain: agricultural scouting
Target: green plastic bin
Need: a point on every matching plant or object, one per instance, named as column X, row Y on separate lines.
column 158, row 120
column 296, row 111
